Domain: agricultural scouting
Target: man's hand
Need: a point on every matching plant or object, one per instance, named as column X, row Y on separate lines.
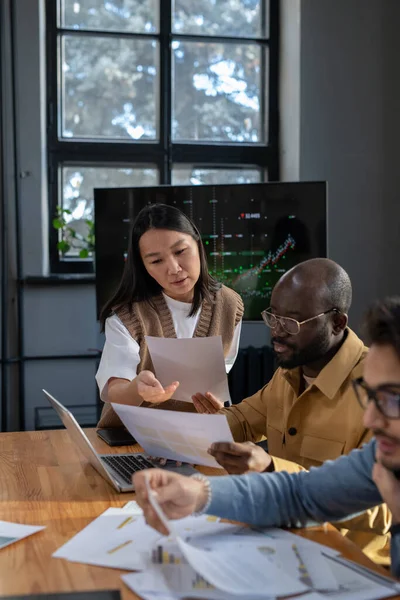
column 389, row 487
column 178, row 496
column 240, row 458
column 207, row 404
column 151, row 390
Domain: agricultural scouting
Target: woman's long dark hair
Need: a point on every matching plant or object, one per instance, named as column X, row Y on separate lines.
column 136, row 284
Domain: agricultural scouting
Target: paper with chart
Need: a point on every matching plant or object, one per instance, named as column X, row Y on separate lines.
column 175, row 435
column 197, row 363
column 121, row 539
column 13, row 532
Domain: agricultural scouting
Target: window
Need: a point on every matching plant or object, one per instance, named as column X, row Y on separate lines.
column 148, row 92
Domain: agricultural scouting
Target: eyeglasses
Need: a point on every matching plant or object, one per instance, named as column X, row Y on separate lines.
column 291, row 326
column 385, row 397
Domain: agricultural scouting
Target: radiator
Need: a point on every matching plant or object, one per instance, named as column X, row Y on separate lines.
column 253, row 368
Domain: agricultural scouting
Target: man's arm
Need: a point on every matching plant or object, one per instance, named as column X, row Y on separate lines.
column 327, row 493
column 377, row 519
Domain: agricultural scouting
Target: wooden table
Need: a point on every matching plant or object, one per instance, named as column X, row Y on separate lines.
column 45, row 481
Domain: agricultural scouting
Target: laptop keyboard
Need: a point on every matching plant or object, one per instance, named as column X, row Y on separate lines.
column 126, row 465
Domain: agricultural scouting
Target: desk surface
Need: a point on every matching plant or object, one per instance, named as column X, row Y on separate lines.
column 45, row 481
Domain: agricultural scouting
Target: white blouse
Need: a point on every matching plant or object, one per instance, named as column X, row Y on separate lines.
column 121, row 358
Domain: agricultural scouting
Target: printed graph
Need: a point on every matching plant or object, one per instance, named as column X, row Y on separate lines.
column 161, row 556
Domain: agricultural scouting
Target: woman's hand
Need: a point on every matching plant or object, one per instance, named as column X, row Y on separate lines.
column 177, row 495
column 151, row 390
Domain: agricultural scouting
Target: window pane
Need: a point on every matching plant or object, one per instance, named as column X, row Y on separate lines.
column 78, row 183
column 219, row 92
column 135, row 16
column 236, row 18
column 189, row 175
column 109, row 88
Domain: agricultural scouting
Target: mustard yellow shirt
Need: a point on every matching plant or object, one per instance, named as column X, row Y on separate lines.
column 306, row 426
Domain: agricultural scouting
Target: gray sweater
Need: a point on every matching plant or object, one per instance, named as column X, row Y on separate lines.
column 338, row 489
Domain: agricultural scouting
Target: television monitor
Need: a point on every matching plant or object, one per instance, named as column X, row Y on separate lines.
column 252, row 233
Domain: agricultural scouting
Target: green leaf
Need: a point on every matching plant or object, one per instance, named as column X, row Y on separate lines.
column 57, row 224
column 84, row 253
column 72, row 232
column 89, row 223
column 63, row 246
column 67, row 211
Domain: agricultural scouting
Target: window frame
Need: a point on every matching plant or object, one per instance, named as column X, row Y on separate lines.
column 162, row 153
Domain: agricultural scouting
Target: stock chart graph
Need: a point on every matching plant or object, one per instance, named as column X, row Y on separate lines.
column 252, row 233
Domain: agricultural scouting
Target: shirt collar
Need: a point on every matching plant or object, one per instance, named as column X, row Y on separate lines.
column 337, row 370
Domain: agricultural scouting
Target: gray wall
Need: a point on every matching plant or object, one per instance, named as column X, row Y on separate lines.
column 349, row 129
column 347, row 100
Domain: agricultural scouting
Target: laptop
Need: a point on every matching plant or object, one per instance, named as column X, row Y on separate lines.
column 116, row 469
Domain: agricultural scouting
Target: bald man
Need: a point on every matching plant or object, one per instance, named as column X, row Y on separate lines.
column 308, row 412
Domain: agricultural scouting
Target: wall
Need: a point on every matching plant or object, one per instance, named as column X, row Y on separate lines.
column 344, row 123
column 349, row 128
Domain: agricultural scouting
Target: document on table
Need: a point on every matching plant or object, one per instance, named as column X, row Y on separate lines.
column 197, row 363
column 122, row 540
column 115, row 539
column 13, row 532
column 175, row 435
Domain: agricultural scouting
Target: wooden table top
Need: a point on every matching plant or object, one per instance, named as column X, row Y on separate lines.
column 45, row 481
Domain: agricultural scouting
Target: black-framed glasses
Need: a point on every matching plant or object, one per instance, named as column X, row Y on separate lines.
column 385, row 397
column 291, row 326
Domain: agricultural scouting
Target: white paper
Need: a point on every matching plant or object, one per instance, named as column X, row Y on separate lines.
column 197, row 363
column 13, row 532
column 122, row 540
column 115, row 539
column 175, row 435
